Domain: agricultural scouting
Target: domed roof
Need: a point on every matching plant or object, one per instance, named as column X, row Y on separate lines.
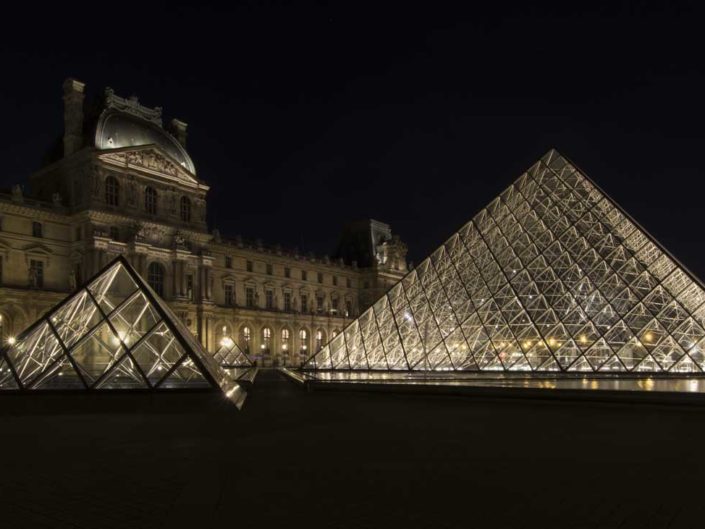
column 118, row 129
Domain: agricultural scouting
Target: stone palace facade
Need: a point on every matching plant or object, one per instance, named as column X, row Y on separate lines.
column 121, row 182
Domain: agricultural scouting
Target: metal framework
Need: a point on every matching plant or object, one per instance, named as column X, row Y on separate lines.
column 552, row 276
column 113, row 333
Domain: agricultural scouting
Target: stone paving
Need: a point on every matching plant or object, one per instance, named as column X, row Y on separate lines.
column 328, row 459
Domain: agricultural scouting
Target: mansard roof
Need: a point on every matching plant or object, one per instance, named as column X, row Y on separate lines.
column 118, row 129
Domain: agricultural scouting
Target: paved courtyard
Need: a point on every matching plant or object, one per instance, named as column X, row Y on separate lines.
column 330, row 459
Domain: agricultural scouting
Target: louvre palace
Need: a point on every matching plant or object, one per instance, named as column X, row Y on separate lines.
column 121, row 183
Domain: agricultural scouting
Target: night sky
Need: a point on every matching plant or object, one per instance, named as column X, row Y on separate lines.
column 303, row 118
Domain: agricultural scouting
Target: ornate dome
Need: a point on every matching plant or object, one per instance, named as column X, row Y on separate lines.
column 118, row 129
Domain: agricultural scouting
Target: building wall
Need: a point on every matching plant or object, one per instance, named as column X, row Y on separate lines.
column 85, row 223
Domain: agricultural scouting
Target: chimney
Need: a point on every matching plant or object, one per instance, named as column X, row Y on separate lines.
column 178, row 129
column 73, row 116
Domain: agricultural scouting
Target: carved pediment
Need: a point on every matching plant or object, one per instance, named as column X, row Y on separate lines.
column 38, row 249
column 149, row 159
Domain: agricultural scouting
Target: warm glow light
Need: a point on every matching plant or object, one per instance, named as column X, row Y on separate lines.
column 551, row 342
column 285, row 347
column 648, row 336
column 583, row 338
column 227, row 342
column 11, row 340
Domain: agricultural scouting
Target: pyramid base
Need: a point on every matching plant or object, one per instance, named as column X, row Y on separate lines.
column 635, row 387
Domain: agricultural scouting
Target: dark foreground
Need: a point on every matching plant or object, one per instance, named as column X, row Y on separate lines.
column 329, row 459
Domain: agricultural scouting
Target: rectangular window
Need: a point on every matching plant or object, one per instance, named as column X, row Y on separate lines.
column 304, row 303
column 348, row 282
column 249, row 266
column 189, row 287
column 78, row 233
column 37, row 229
column 334, row 304
column 270, row 271
column 114, row 233
column 304, row 275
column 287, row 271
column 228, row 290
column 269, row 298
column 228, row 261
column 335, row 281
column 36, row 274
column 250, row 297
column 348, row 308
column 319, row 303
column 287, row 301
column 320, row 277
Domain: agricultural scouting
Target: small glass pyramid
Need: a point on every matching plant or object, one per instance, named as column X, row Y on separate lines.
column 552, row 276
column 112, row 333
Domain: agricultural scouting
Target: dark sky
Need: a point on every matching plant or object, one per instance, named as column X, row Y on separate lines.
column 302, row 118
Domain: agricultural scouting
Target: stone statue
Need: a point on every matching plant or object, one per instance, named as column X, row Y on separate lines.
column 17, row 193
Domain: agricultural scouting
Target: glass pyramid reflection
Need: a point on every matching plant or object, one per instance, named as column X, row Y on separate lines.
column 552, row 276
column 112, row 333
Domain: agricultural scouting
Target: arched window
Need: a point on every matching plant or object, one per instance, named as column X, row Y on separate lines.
column 112, row 191
column 245, row 339
column 266, row 339
column 223, row 337
column 334, row 333
column 320, row 338
column 155, row 278
column 303, row 341
column 150, row 200
column 286, row 337
column 185, row 209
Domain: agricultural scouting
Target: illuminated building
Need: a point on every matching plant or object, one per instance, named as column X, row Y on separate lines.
column 120, row 182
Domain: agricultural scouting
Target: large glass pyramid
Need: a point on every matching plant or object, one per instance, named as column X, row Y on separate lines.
column 112, row 333
column 552, row 276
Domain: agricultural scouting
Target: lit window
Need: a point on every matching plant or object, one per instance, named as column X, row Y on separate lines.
column 285, row 339
column 185, row 209
column 245, row 339
column 37, row 230
column 319, row 340
column 112, row 191
column 303, row 341
column 150, row 200
column 266, row 339
column 155, row 278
